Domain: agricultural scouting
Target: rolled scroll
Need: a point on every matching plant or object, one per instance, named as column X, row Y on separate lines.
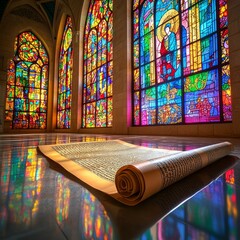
column 137, row 182
column 127, row 172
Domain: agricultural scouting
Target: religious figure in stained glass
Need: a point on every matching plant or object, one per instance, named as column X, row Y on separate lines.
column 27, row 84
column 65, row 77
column 167, row 50
column 178, row 75
column 167, row 44
column 98, row 64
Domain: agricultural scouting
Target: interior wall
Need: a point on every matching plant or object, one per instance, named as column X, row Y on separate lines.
column 16, row 19
column 11, row 25
column 234, row 39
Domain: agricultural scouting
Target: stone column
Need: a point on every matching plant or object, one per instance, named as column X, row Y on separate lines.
column 234, row 47
column 122, row 74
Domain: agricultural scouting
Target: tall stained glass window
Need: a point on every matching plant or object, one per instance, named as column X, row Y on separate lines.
column 98, row 65
column 27, row 84
column 180, row 62
column 65, row 78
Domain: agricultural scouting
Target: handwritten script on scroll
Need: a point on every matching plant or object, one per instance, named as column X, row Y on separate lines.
column 127, row 172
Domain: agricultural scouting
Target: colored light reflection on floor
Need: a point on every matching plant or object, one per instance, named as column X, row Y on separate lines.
column 39, row 201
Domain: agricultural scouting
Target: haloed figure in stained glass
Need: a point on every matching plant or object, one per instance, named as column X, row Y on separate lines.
column 181, row 62
column 167, row 43
column 167, row 50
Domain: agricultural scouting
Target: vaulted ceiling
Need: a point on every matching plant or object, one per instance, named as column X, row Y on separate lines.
column 27, row 11
column 49, row 7
column 3, row 5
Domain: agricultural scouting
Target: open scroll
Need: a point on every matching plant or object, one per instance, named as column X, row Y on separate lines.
column 127, row 172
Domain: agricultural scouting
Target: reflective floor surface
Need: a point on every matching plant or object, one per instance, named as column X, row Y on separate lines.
column 39, row 200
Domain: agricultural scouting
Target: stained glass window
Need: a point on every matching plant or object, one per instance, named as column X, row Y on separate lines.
column 98, row 65
column 65, row 78
column 181, row 71
column 27, row 84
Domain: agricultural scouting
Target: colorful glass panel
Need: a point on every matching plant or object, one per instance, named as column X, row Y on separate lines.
column 98, row 65
column 225, row 47
column 109, row 112
column 136, row 108
column 181, row 71
column 223, row 15
column 201, row 93
column 65, row 77
column 148, row 106
column 170, row 102
column 27, row 84
column 226, row 94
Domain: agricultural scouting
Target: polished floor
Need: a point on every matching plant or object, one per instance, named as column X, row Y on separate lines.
column 39, row 200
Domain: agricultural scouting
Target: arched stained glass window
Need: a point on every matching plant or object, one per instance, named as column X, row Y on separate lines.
column 180, row 62
column 98, row 65
column 65, row 78
column 27, row 84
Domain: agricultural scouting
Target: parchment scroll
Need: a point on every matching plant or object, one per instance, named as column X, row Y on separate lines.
column 127, row 172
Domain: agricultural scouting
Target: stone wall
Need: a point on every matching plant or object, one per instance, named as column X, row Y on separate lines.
column 11, row 25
